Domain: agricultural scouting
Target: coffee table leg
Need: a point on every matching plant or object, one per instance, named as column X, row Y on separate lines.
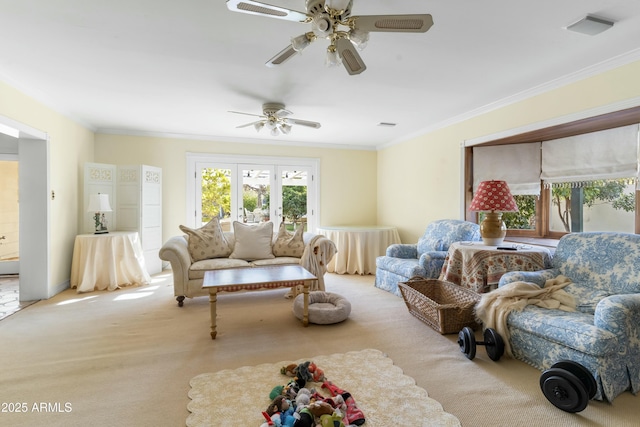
column 213, row 298
column 305, row 312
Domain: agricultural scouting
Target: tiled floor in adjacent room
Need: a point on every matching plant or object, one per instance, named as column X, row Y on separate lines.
column 9, row 296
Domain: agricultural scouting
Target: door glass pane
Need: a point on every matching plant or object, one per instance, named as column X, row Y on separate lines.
column 216, row 196
column 256, row 185
column 294, row 198
column 601, row 205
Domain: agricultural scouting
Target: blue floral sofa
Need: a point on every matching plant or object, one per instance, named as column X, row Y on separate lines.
column 424, row 259
column 603, row 334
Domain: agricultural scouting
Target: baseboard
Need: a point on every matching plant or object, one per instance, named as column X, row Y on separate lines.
column 60, row 288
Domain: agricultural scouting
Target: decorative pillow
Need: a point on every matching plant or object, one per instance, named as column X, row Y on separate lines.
column 252, row 241
column 289, row 243
column 207, row 242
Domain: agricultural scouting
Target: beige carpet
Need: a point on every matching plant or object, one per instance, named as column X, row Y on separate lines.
column 126, row 357
column 387, row 397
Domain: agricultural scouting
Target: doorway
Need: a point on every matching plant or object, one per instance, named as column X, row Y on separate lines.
column 31, row 147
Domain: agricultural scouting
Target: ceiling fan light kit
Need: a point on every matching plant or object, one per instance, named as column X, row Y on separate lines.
column 275, row 118
column 332, row 20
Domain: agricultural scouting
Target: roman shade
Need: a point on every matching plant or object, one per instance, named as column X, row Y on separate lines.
column 517, row 164
column 607, row 154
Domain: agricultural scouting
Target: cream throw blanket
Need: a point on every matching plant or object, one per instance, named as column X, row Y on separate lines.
column 495, row 306
column 315, row 259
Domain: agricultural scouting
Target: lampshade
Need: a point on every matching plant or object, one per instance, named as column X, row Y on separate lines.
column 99, row 203
column 333, row 58
column 285, row 128
column 493, row 196
column 359, row 38
column 300, row 42
column 337, row 4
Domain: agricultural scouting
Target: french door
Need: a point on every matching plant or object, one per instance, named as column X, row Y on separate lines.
column 254, row 191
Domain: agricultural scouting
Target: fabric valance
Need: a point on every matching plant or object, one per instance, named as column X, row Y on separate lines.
column 517, row 164
column 607, row 154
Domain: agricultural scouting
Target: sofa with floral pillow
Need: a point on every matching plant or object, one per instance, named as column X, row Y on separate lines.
column 210, row 248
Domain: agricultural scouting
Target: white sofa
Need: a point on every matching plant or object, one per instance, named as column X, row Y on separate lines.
column 188, row 275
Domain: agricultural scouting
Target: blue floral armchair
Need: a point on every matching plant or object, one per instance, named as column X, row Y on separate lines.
column 424, row 259
column 603, row 334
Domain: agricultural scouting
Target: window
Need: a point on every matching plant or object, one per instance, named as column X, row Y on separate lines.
column 583, row 184
column 252, row 190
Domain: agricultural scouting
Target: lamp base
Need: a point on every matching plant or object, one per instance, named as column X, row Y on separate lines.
column 492, row 229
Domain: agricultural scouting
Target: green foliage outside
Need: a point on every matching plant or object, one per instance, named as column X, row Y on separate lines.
column 525, row 218
column 216, row 193
column 597, row 192
column 294, row 202
column 249, row 200
column 609, row 191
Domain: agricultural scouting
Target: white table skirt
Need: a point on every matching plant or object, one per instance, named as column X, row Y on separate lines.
column 108, row 261
column 358, row 247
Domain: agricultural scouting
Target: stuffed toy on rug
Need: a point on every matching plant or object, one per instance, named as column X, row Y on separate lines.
column 354, row 415
column 321, row 411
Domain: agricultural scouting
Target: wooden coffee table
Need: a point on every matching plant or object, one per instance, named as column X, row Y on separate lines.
column 254, row 279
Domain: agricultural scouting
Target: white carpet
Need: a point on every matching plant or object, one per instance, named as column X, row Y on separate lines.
column 386, row 396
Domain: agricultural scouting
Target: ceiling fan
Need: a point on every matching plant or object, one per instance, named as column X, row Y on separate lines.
column 332, row 20
column 275, row 118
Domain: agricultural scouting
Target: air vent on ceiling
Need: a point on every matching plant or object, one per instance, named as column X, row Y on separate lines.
column 386, row 124
column 590, row 25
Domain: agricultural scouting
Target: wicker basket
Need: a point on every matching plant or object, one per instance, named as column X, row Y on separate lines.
column 444, row 306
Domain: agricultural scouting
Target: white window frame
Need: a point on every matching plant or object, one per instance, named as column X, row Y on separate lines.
column 313, row 184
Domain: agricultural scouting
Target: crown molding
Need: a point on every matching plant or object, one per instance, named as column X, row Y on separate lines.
column 594, row 70
column 223, row 139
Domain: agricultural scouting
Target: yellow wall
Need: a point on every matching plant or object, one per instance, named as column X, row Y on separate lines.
column 419, row 180
column 407, row 185
column 70, row 146
column 347, row 177
column 9, row 230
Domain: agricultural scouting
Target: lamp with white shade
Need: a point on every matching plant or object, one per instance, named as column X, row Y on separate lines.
column 493, row 197
column 99, row 203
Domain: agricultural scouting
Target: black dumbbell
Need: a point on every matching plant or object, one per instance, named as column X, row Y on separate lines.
column 492, row 341
column 568, row 386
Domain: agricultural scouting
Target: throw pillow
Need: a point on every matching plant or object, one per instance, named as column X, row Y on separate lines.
column 207, row 242
column 289, row 243
column 252, row 241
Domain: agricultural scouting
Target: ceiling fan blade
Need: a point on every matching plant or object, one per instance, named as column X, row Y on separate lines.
column 246, row 114
column 394, row 23
column 283, row 113
column 350, row 57
column 283, row 56
column 249, row 124
column 264, row 9
column 306, row 123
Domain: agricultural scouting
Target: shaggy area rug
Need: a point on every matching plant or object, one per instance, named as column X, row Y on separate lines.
column 387, row 397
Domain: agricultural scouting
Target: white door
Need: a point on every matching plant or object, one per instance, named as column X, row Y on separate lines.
column 294, row 197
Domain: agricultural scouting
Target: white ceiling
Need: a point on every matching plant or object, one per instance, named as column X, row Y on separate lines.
column 177, row 67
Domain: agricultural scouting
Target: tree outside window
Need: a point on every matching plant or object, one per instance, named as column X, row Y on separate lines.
column 600, row 205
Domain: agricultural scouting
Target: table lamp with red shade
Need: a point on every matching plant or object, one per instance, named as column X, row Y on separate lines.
column 493, row 197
